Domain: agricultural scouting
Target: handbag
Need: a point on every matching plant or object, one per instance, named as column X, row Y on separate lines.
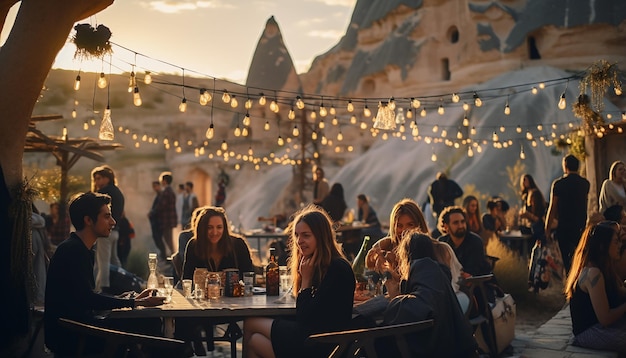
column 503, row 313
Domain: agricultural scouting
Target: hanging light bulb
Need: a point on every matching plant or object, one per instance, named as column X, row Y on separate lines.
column 618, row 90
column 350, row 106
column 465, row 106
column 131, row 82
column 332, row 110
column 323, row 111
column 353, row 119
column 280, row 141
column 542, row 85
column 363, row 125
column 529, row 135
column 210, row 132
column 392, row 104
column 102, row 80
column 435, row 128
column 299, row 102
column 562, row 101
column 477, row 101
column 136, row 97
column 473, row 131
column 106, row 127
column 415, row 131
column 507, row 108
column 440, row 110
column 340, row 136
column 205, row 96
column 64, row 133
column 465, row 121
column 182, row 107
column 237, row 132
column 74, row 114
column 248, row 103
column 313, row 115
column 400, row 116
column 534, row 90
column 244, row 132
column 233, row 102
column 423, row 112
column 274, row 106
column 321, row 125
column 409, row 113
column 470, row 151
column 262, row 99
column 85, row 125
column 77, row 82
column 246, row 119
column 433, row 157
column 147, row 79
column 415, row 103
column 266, row 127
column 366, row 111
column 522, row 155
column 314, row 135
column 296, row 131
column 224, row 145
column 444, row 133
column 226, row 97
column 334, row 121
column 292, row 114
column 455, row 98
column 494, row 137
column 502, row 129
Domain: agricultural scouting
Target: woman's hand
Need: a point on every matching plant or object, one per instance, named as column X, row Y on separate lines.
column 306, row 270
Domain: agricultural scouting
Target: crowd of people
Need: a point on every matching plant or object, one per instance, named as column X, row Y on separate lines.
column 419, row 266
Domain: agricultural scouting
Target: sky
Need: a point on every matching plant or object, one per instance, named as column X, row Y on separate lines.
column 214, row 38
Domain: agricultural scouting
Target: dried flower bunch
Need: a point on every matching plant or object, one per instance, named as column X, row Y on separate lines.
column 91, row 42
column 600, row 76
column 583, row 110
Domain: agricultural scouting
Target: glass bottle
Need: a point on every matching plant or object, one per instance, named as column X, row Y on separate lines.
column 272, row 275
column 152, row 265
column 358, row 265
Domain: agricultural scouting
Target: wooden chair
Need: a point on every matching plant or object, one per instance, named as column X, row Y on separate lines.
column 479, row 314
column 352, row 343
column 116, row 340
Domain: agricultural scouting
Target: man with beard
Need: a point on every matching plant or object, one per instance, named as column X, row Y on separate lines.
column 467, row 246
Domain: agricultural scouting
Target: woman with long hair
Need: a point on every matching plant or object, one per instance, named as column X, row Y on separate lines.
column 323, row 283
column 472, row 211
column 533, row 210
column 595, row 292
column 613, row 191
column 406, row 214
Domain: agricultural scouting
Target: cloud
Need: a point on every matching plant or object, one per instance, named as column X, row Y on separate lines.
column 178, row 6
column 310, row 22
column 344, row 3
column 326, row 34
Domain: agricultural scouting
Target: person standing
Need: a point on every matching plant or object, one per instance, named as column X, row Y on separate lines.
column 568, row 205
column 335, row 203
column 613, row 190
column 190, row 203
column 180, row 199
column 57, row 225
column 442, row 193
column 166, row 211
column 106, row 250
column 154, row 220
column 70, row 284
column 533, row 211
column 321, row 188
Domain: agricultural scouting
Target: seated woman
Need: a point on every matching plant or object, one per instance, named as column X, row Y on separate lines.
column 595, row 292
column 367, row 215
column 324, row 282
column 212, row 247
column 426, row 293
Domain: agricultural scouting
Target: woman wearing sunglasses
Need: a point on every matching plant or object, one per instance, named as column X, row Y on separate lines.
column 595, row 291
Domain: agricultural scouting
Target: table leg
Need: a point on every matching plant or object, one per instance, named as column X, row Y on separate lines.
column 168, row 327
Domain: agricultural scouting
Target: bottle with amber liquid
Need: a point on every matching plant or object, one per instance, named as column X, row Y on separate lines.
column 272, row 275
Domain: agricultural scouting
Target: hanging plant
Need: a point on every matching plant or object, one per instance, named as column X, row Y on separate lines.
column 590, row 118
column 91, row 42
column 600, row 76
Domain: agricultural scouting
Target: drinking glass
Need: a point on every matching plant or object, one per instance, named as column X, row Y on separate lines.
column 198, row 291
column 168, row 284
column 213, row 285
column 187, row 288
column 285, row 279
column 248, row 281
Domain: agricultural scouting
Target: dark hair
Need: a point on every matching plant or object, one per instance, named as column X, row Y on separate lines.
column 571, row 162
column 167, row 176
column 337, row 190
column 444, row 217
column 189, row 184
column 87, row 204
column 156, row 182
column 531, row 183
column 103, row 171
column 413, row 246
column 406, row 207
column 362, row 197
column 181, row 186
column 614, row 213
column 200, row 224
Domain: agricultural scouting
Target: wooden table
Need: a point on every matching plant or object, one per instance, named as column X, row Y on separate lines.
column 225, row 309
column 516, row 238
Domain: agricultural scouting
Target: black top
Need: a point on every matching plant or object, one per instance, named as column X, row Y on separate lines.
column 471, row 254
column 442, row 194
column 572, row 191
column 70, row 294
column 581, row 309
column 117, row 200
column 239, row 259
column 371, row 219
column 335, row 206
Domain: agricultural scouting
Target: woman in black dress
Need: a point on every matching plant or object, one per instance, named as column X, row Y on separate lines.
column 324, row 284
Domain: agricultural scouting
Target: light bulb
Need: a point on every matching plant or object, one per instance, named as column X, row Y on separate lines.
column 415, row 132
column 440, row 110
column 102, row 80
column 321, row 125
column 409, row 113
column 444, row 133
column 542, row 85
column 507, row 109
column 262, row 100
column 244, row 132
column 183, row 105
column 363, row 125
column 339, row 136
column 562, row 101
column 433, row 157
column 274, row 106
column 334, row 121
column 350, row 106
column 332, row 110
column 106, row 127
column 367, row 112
column 455, row 98
column 246, row 119
column 147, row 79
column 74, row 114
column 400, row 116
column 224, row 145
column 205, row 97
column 518, row 129
column 415, row 103
column 477, row 101
column 465, row 121
column 226, row 97
column 233, row 102
column 296, row 131
column 136, row 97
column 237, row 132
column 423, row 112
column 314, row 135
column 266, row 127
column 494, row 137
column 313, row 115
column 64, row 133
column 473, row 131
column 529, row 136
column 522, row 155
column 435, row 128
column 618, row 90
column 210, row 132
column 470, row 152
column 299, row 103
column 533, row 90
column 77, row 83
column 465, row 106
column 280, row 141
column 131, row 82
column 459, row 135
column 248, row 103
column 323, row 111
column 292, row 114
column 392, row 104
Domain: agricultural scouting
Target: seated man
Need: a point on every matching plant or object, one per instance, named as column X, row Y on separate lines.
column 70, row 283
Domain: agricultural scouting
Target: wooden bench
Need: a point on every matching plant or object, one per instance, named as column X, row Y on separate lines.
column 353, row 343
column 118, row 339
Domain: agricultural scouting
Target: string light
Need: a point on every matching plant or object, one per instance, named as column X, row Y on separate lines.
column 440, row 110
column 562, row 101
column 507, row 108
column 262, row 99
column 246, row 119
column 533, row 90
column 136, row 97
column 132, row 81
column 299, row 102
column 522, row 155
column 465, row 120
column 292, row 114
column 147, row 78
column 296, row 131
column 182, row 107
column 477, row 101
column 350, row 106
column 423, row 112
column 266, row 127
column 102, row 81
column 323, row 111
column 77, row 82
column 210, row 132
column 455, row 98
column 226, row 97
column 233, row 102
column 248, row 103
column 366, row 111
column 392, row 104
column 205, row 96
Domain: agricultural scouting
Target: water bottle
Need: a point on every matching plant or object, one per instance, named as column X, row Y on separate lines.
column 152, row 265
